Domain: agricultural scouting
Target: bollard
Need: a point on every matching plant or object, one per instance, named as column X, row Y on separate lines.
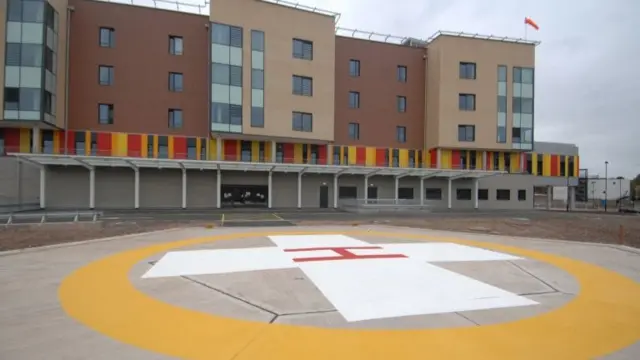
column 621, row 235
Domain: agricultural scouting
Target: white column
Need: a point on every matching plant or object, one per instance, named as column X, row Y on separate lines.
column 299, row 190
column 92, row 189
column 270, row 189
column 219, row 190
column 572, row 197
column 184, row 188
column 421, row 191
column 396, row 190
column 449, row 194
column 43, row 186
column 475, row 193
column 366, row 189
column 335, row 191
column 35, row 140
column 438, row 158
column 273, row 152
column 219, row 149
column 136, row 189
column 549, row 197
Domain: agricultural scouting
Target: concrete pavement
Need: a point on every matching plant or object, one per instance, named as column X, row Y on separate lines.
column 371, row 292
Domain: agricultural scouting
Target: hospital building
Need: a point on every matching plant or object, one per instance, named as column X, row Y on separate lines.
column 261, row 103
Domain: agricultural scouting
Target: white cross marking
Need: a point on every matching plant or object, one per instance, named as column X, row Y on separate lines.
column 373, row 282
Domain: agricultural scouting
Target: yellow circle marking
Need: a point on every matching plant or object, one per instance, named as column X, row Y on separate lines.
column 602, row 318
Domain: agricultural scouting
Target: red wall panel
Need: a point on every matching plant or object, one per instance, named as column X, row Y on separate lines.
column 554, row 165
column 134, row 145
column 230, row 150
column 322, row 154
column 104, row 144
column 11, row 138
column 71, row 142
column 455, row 159
column 489, row 161
column 361, row 156
column 179, row 147
column 381, row 156
column 288, row 152
column 433, row 156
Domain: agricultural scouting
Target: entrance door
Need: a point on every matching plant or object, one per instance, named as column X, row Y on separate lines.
column 324, row 197
column 372, row 192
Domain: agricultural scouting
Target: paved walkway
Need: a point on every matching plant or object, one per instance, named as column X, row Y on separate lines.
column 371, row 292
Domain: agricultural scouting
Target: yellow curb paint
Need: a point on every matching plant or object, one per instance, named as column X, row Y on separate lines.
column 602, row 318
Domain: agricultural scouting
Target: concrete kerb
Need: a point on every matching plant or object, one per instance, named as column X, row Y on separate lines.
column 84, row 242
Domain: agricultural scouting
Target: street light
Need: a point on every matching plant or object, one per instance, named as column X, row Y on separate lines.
column 606, row 181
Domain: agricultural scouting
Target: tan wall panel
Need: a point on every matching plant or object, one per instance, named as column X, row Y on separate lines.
column 3, row 37
column 61, row 106
column 433, row 98
column 487, row 55
column 281, row 24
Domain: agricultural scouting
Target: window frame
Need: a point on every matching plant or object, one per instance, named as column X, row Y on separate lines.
column 301, row 55
column 465, row 68
column 466, row 97
column 401, row 103
column 401, row 134
column 302, row 79
column 500, row 194
column 356, row 95
column 172, row 45
column 110, row 41
column 172, row 82
column 463, row 194
column 430, row 192
column 172, row 118
column 111, row 114
column 110, row 73
column 522, row 194
column 483, row 194
column 303, row 116
column 466, row 129
column 356, row 64
column 355, row 134
column 401, row 73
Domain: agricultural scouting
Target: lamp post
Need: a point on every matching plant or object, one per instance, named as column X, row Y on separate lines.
column 606, row 181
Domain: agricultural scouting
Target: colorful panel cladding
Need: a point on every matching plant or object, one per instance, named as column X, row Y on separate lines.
column 371, row 156
column 552, row 165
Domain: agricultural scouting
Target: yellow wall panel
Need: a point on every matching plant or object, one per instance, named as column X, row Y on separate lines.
column 267, row 151
column 213, row 149
column 255, row 151
column 534, row 163
column 514, row 159
column 87, row 143
column 370, row 156
column 546, row 165
column 25, row 141
column 155, row 146
column 500, row 161
column 144, row 146
column 479, row 163
column 170, row 146
column 238, row 155
column 198, row 148
column 445, row 159
column 426, row 158
column 56, row 143
column 566, row 166
column 119, row 144
column 576, row 166
column 343, row 152
column 352, row 154
column 403, row 157
column 297, row 153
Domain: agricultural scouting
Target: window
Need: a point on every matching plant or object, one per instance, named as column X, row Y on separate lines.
column 503, row 194
column 175, row 82
column 107, row 37
column 467, row 133
column 467, row 102
column 257, row 116
column 467, row 70
column 302, row 49
column 401, row 134
column 175, row 118
column 224, row 74
column 483, row 194
column 226, row 35
column 463, row 194
column 354, row 131
column 433, row 194
column 354, row 68
column 26, row 99
column 105, row 75
column 24, row 55
column 354, row 99
column 401, row 102
column 302, row 121
column 302, row 85
column 402, row 73
column 347, row 192
column 257, row 40
column 405, row 193
column 105, row 114
column 522, row 195
column 175, row 45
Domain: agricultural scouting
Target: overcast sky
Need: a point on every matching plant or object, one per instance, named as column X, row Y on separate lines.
column 587, row 77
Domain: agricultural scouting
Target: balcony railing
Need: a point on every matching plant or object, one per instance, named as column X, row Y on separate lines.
column 194, row 155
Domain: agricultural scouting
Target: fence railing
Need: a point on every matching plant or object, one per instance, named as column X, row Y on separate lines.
column 194, row 154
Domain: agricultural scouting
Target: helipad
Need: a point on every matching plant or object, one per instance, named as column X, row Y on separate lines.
column 321, row 293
